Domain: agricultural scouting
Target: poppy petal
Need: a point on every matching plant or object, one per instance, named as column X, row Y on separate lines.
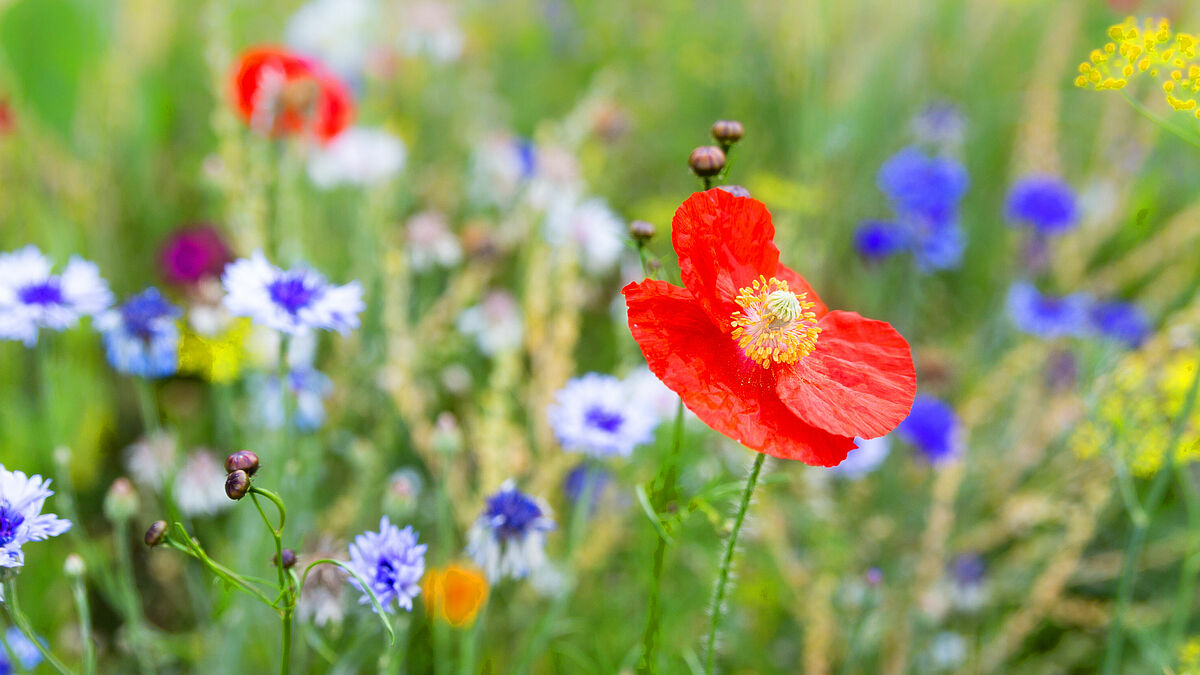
column 724, row 244
column 717, row 382
column 859, row 381
column 798, row 284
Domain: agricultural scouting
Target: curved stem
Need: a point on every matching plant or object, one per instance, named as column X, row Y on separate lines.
column 727, row 559
column 18, row 618
column 275, row 499
column 85, row 625
column 193, row 549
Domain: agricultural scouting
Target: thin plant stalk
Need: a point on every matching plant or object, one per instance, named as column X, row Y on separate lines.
column 127, row 590
column 147, row 404
column 85, row 624
column 287, row 589
column 13, row 607
column 727, row 560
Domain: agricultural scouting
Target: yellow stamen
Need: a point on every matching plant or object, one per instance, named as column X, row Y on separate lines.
column 775, row 324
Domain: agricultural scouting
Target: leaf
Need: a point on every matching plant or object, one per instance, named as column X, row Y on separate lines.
column 644, row 500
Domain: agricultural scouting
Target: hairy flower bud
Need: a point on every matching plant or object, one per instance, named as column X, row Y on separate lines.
column 641, row 230
column 242, row 459
column 727, row 132
column 707, row 161
column 156, row 533
column 237, row 484
column 121, row 502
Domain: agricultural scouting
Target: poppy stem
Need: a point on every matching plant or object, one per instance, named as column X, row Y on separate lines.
column 663, row 495
column 727, row 559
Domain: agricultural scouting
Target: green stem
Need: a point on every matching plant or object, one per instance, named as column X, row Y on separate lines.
column 147, row 403
column 727, row 560
column 193, row 549
column 287, row 591
column 13, row 607
column 648, row 662
column 1191, row 562
column 85, row 625
column 130, row 603
column 1115, row 640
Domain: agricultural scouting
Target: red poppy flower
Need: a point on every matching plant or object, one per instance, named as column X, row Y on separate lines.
column 279, row 92
column 753, row 351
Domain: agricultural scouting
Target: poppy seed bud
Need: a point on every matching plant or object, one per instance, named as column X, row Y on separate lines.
column 289, row 559
column 242, row 459
column 707, row 161
column 237, row 484
column 641, row 230
column 156, row 533
column 727, row 132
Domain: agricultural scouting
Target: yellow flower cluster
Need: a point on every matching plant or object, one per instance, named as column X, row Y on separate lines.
column 1136, row 413
column 216, row 358
column 1153, row 49
column 1189, row 657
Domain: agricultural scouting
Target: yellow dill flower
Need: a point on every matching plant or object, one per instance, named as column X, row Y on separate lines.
column 1086, row 441
column 216, row 358
column 1189, row 657
column 1151, row 48
column 1147, row 457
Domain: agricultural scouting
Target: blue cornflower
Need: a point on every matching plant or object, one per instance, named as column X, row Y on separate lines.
column 27, row 655
column 876, row 239
column 141, row 337
column 940, row 124
column 927, row 187
column 595, row 415
column 1043, row 202
column 934, row 428
column 1048, row 316
column 293, row 301
column 31, row 297
column 21, row 519
column 937, row 245
column 509, row 537
column 310, row 388
column 865, row 458
column 391, row 562
column 1124, row 322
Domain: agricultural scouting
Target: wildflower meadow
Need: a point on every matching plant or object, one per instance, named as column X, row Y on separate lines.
column 553, row 336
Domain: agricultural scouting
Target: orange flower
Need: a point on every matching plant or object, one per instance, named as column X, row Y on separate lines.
column 455, row 594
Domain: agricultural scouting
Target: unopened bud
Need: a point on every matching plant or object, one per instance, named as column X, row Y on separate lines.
column 73, row 566
column 735, row 190
column 242, row 459
column 641, row 230
column 707, row 161
column 121, row 502
column 237, row 484
column 156, row 533
column 289, row 559
column 727, row 132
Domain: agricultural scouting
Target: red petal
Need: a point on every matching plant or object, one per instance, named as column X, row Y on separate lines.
column 334, row 108
column 724, row 243
column 859, row 381
column 797, row 284
column 731, row 393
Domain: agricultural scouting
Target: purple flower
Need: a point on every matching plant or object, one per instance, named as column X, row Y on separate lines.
column 1123, row 322
column 193, row 253
column 21, row 519
column 595, row 415
column 1048, row 316
column 1043, row 202
column 291, row 301
column 929, row 187
column 876, row 239
column 391, row 562
column 933, row 428
column 140, row 336
column 32, row 298
column 509, row 537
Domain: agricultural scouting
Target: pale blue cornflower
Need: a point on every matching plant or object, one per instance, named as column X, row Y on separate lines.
column 595, row 415
column 509, row 537
column 1049, row 316
column 21, row 519
column 141, row 337
column 865, row 458
column 293, row 301
column 27, row 655
column 308, row 387
column 32, row 297
column 391, row 562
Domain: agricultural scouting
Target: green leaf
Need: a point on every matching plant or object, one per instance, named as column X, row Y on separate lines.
column 50, row 46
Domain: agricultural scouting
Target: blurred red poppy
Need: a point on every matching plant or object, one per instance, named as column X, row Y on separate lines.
column 278, row 92
column 753, row 351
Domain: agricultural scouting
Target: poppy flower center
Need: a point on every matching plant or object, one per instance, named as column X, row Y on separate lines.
column 775, row 325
